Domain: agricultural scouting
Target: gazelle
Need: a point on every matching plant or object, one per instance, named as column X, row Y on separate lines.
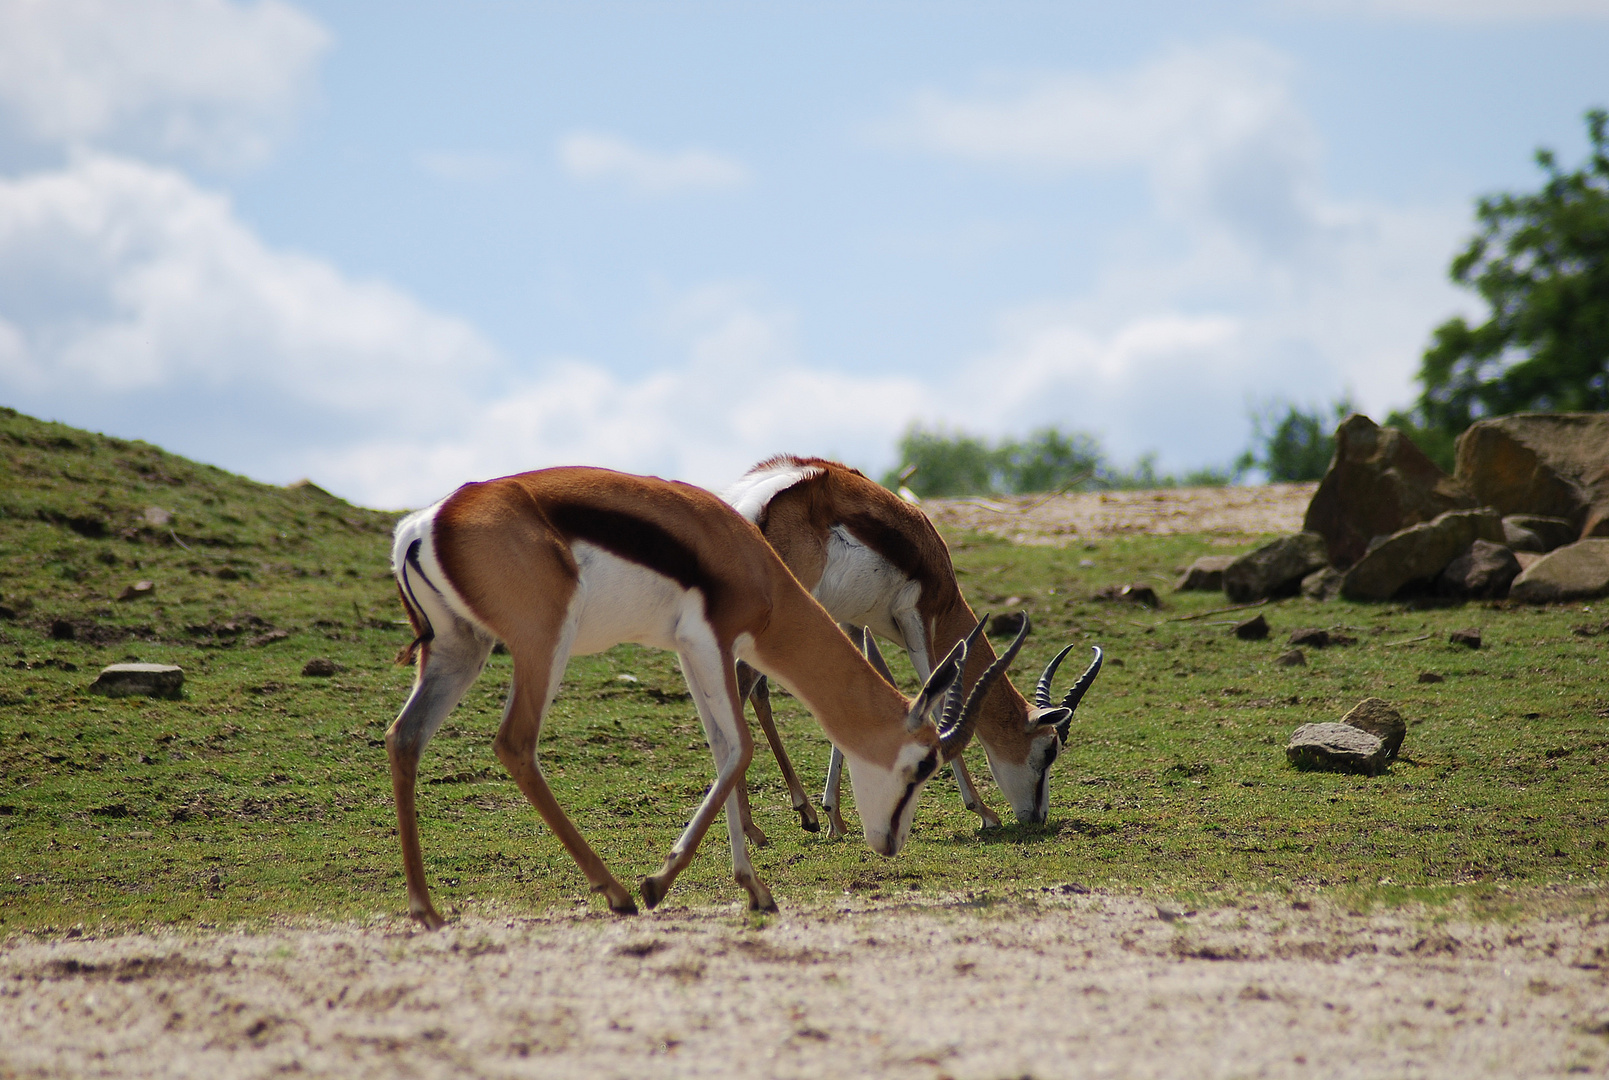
column 874, row 560
column 574, row 560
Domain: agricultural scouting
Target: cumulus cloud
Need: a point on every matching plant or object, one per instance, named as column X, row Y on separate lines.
column 599, row 158
column 204, row 80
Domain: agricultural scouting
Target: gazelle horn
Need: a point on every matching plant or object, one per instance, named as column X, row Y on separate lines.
column 953, row 736
column 942, row 683
column 1042, row 690
column 1076, row 694
column 868, row 645
column 956, row 695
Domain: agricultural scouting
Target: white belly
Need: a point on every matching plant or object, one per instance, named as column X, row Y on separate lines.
column 618, row 600
column 860, row 587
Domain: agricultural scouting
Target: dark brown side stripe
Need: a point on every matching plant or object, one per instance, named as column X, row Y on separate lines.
column 639, row 541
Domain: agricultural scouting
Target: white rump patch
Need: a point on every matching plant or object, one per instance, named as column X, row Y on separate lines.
column 751, row 494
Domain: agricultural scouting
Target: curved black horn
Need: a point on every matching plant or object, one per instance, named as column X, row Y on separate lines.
column 868, row 645
column 946, row 677
column 1042, row 690
column 1076, row 694
column 953, row 736
column 956, row 695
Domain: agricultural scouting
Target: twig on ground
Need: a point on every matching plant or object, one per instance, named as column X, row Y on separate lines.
column 1219, row 611
column 1407, row 641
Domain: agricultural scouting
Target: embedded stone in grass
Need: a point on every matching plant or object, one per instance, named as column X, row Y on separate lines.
column 1253, row 629
column 1431, row 677
column 320, row 667
column 1206, row 574
column 1311, row 636
column 1128, row 594
column 137, row 591
column 62, row 630
column 1470, row 637
column 1294, row 658
column 1380, row 720
column 1331, row 747
column 139, row 680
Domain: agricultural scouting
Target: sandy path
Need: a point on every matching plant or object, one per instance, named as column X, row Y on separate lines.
column 1062, row 519
column 1079, row 985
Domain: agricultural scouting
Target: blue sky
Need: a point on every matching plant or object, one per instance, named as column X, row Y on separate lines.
column 396, row 246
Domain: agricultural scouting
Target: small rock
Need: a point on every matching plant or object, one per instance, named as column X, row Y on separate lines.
column 1312, row 637
column 1005, row 624
column 1577, row 571
column 1086, row 564
column 320, row 667
column 1380, row 720
column 1323, row 583
column 626, row 678
column 1206, row 574
column 1484, row 572
column 1294, row 658
column 1253, row 629
column 1431, row 677
column 138, row 590
column 155, row 515
column 1517, row 537
column 141, row 680
column 1470, row 637
column 1169, row 913
column 1554, row 532
column 62, row 630
column 1128, row 594
column 1333, row 747
column 1275, row 569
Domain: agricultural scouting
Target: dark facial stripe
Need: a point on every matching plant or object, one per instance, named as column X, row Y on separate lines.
column 639, row 541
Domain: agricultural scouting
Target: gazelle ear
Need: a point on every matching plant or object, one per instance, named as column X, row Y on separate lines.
column 1058, row 718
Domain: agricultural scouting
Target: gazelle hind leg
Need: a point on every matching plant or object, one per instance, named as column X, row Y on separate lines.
column 969, row 795
column 829, row 796
column 538, row 664
column 712, row 679
column 447, row 666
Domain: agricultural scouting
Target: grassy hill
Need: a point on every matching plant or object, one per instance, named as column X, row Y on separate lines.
column 264, row 792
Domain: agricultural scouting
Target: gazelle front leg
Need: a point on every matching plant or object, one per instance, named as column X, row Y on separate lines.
column 829, row 796
column 969, row 795
column 712, row 679
column 753, row 686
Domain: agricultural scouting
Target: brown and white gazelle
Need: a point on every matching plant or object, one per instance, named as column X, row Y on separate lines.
column 874, row 560
column 574, row 560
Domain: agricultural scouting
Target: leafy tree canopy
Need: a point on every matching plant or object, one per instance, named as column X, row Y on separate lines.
column 1292, row 443
column 1541, row 261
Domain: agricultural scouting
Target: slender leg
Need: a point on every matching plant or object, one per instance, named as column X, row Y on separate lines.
column 747, row 678
column 447, row 666
column 712, row 679
column 535, row 682
column 760, row 695
column 969, row 795
column 829, row 796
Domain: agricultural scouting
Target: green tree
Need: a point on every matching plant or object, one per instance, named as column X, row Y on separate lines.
column 941, row 463
column 1291, row 443
column 1541, row 262
column 1049, row 460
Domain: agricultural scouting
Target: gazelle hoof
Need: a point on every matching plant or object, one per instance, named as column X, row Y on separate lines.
column 652, row 892
column 756, row 837
column 619, row 900
column 835, row 825
column 807, row 818
column 429, row 918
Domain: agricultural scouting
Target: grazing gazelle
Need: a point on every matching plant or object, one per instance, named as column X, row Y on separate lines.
column 874, row 560
column 565, row 561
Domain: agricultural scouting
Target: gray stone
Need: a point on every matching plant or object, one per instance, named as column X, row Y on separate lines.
column 1323, row 583
column 138, row 591
column 1378, row 483
column 1275, row 569
column 1294, row 658
column 1553, row 532
column 1484, row 572
column 1431, row 677
column 1469, row 638
column 1418, row 553
column 139, row 680
column 1551, row 464
column 1380, row 720
column 1206, row 574
column 1311, row 636
column 1336, row 748
column 1578, row 571
column 322, row 667
column 1518, row 538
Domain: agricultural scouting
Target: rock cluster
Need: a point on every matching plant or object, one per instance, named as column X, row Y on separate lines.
column 1525, row 515
column 1365, row 741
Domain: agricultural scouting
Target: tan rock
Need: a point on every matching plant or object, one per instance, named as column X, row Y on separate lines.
column 1577, row 572
column 1548, row 464
column 1418, row 553
column 1379, row 719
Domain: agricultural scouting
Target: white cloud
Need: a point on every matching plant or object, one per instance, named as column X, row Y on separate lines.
column 208, row 80
column 595, row 157
column 466, row 167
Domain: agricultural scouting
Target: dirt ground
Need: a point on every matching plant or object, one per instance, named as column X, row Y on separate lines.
column 1063, row 519
column 1060, row 984
column 1067, row 985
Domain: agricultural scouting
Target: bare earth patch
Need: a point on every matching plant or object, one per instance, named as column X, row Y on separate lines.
column 1235, row 512
column 1069, row 985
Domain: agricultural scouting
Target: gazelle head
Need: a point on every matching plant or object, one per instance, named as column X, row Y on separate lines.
column 886, row 797
column 1027, row 786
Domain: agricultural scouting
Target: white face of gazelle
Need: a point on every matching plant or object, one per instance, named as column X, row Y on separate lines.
column 886, row 799
column 1027, row 785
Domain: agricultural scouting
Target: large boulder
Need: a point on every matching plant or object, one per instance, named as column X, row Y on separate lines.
column 1577, row 572
column 1275, row 569
column 1418, row 553
column 1378, row 483
column 1484, row 572
column 1549, row 464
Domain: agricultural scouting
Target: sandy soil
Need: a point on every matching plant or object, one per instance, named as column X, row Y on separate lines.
column 1063, row 519
column 1066, row 985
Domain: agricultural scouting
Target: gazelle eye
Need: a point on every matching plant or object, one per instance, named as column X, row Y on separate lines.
column 925, row 767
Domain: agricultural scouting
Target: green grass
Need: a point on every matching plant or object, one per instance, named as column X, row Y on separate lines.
column 264, row 793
